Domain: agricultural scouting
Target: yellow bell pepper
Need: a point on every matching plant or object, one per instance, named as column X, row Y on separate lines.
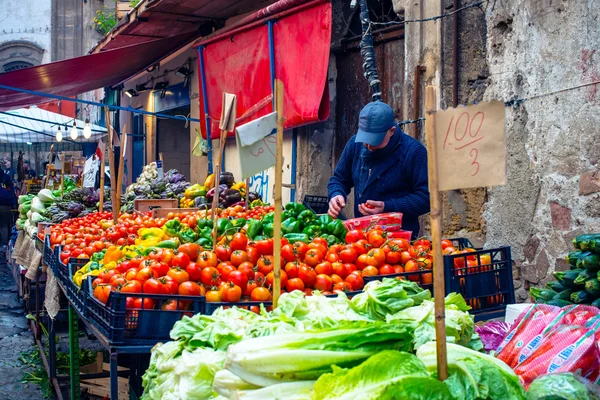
column 146, row 233
column 113, row 254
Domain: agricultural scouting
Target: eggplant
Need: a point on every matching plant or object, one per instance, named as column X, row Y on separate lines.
column 230, row 197
column 227, row 179
column 253, row 196
column 211, row 192
column 200, row 201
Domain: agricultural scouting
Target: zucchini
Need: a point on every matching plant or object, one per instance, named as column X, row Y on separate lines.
column 592, row 286
column 556, row 286
column 586, row 242
column 572, row 257
column 542, row 294
column 564, row 295
column 559, row 303
column 589, row 261
column 596, row 303
column 582, row 297
column 583, row 276
column 567, row 278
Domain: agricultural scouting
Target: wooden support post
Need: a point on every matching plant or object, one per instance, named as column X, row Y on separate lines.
column 121, row 167
column 436, row 236
column 247, row 193
column 277, row 193
column 111, row 165
column 102, row 149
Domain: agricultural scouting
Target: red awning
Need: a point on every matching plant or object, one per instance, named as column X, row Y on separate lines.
column 82, row 74
column 238, row 62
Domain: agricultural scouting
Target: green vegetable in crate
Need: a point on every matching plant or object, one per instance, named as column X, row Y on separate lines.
column 556, row 286
column 582, row 297
column 592, row 286
column 238, row 223
column 583, row 276
column 255, row 228
column 567, row 278
column 169, row 244
column 224, row 225
column 312, row 230
column 542, row 294
column 563, row 295
column 291, row 225
column 172, row 227
column 589, row 261
column 572, row 257
column 204, row 223
column 306, row 217
column 268, row 229
column 559, row 303
column 296, row 237
column 294, row 209
column 337, row 229
column 587, row 242
column 187, row 235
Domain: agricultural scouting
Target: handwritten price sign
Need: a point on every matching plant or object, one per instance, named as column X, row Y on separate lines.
column 470, row 146
column 256, row 145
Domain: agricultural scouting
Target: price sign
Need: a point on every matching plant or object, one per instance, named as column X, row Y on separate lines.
column 256, row 145
column 470, row 144
column 159, row 167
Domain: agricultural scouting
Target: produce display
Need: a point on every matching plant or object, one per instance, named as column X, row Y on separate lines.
column 580, row 284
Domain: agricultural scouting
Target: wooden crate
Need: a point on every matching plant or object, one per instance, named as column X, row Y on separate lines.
column 163, row 212
column 100, row 387
column 143, row 205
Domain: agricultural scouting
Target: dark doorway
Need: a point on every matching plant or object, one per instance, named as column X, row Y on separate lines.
column 173, row 141
column 138, row 149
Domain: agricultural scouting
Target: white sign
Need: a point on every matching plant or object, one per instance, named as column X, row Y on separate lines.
column 159, row 167
column 256, row 145
column 90, row 169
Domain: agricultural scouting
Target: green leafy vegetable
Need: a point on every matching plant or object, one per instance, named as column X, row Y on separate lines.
column 564, row 386
column 283, row 391
column 227, row 383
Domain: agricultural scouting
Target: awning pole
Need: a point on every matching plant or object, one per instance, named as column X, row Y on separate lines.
column 205, row 108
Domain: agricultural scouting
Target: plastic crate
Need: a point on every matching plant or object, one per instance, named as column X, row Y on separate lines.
column 138, row 326
column 487, row 287
column 318, row 204
column 76, row 295
column 461, row 243
column 48, row 254
column 39, row 244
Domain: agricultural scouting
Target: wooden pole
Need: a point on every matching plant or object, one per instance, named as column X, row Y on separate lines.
column 111, row 164
column 247, row 193
column 121, row 166
column 277, row 193
column 101, row 207
column 436, row 236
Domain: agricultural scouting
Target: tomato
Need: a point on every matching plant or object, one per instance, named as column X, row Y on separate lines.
column 253, row 255
column 370, row 271
column 179, row 275
column 249, row 288
column 209, row 276
column 412, row 266
column 323, row 282
column 348, row 254
column 89, row 251
column 486, row 262
column 265, row 247
column 376, row 238
column 417, row 251
column 423, row 243
column 153, row 286
column 405, row 257
column 166, row 256
column 107, row 275
column 320, row 240
column 146, row 303
column 361, row 262
column 294, row 284
column 239, row 241
column 313, row 257
column 225, row 270
column 189, row 289
column 169, row 285
column 341, row 287
column 361, row 246
column 332, row 257
column 339, row 269
column 261, row 294
column 394, row 255
column 129, row 302
column 97, row 282
column 376, row 257
column 194, row 271
column 336, row 248
column 146, row 273
column 181, row 260
column 238, row 257
column 300, row 250
column 223, row 252
column 398, row 268
column 291, row 269
column 207, row 259
column 265, row 264
column 446, row 243
column 427, row 279
column 448, row 250
column 161, row 268
column 271, row 277
column 238, row 278
column 247, row 268
column 170, row 305
column 309, row 292
column 307, row 275
column 350, row 268
column 324, row 268
column 318, row 246
column 287, row 253
column 336, row 279
column 118, row 281
column 354, row 236
column 259, row 278
column 101, row 292
column 426, row 262
column 131, row 274
column 386, row 269
column 191, row 249
column 213, row 296
column 355, row 281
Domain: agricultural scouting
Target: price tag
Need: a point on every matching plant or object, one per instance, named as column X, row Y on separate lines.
column 159, row 167
column 256, row 145
column 471, row 150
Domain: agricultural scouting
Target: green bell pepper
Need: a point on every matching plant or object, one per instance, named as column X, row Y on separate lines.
column 223, row 225
column 268, row 229
column 296, row 237
column 286, row 214
column 206, row 233
column 290, row 225
column 186, row 235
column 324, row 221
column 168, row 244
column 331, row 240
column 98, row 256
column 307, row 217
column 238, row 223
column 295, row 208
column 172, row 227
column 255, row 228
column 268, row 218
column 259, row 237
column 312, row 231
column 203, row 223
column 337, row 229
column 205, row 243
column 94, row 266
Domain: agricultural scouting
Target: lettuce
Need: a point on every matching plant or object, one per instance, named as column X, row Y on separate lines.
column 474, row 375
column 386, row 375
column 563, row 386
column 307, row 355
column 227, row 383
column 282, row 391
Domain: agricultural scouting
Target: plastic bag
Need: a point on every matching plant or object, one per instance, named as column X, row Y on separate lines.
column 492, row 334
column 564, row 386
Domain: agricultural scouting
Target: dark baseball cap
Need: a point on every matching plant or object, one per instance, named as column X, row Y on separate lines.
column 374, row 120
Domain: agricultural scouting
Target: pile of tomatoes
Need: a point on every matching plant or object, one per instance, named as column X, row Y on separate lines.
column 240, row 212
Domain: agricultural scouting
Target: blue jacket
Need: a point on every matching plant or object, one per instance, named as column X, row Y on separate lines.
column 399, row 180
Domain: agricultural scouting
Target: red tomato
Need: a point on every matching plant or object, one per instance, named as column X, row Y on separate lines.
column 412, row 266
column 386, row 269
column 191, row 249
column 323, row 282
column 169, row 285
column 341, row 287
column 238, row 257
column 146, row 303
column 370, row 271
column 181, row 260
column 294, row 284
column 350, row 268
column 265, row 264
column 321, row 241
column 336, row 279
column 223, row 252
column 101, row 292
column 247, row 268
column 207, row 259
column 446, row 243
column 271, row 276
column 376, row 238
column 261, row 294
column 307, row 275
column 239, row 241
column 300, row 249
column 146, row 273
column 332, row 257
column 265, row 247
column 153, row 286
column 291, row 269
column 339, row 269
column 194, row 271
column 354, row 236
column 287, row 253
column 361, row 262
column 238, row 278
column 376, row 257
column 348, row 254
column 189, row 289
column 179, row 275
column 249, row 288
column 160, row 268
column 253, row 255
column 313, row 257
column 361, row 246
column 107, row 275
column 355, row 281
column 324, row 268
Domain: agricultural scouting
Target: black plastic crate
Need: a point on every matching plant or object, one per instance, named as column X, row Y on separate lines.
column 484, row 278
column 48, row 254
column 461, row 243
column 39, row 244
column 318, row 204
column 145, row 326
column 76, row 295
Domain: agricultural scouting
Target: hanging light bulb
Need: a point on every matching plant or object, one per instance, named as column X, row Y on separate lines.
column 87, row 131
column 59, row 135
column 74, row 132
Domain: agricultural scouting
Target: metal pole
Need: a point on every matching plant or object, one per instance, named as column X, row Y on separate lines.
column 205, row 106
column 367, row 51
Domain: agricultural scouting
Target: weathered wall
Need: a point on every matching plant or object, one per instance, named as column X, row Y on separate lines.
column 553, row 145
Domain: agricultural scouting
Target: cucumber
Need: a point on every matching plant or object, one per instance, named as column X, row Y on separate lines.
column 586, row 242
column 582, row 297
column 556, row 286
column 559, row 303
column 567, row 278
column 596, row 303
column 592, row 286
column 564, row 295
column 572, row 257
column 583, row 276
column 589, row 261
column 542, row 294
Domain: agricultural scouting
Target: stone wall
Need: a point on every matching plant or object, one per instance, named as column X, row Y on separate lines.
column 553, row 147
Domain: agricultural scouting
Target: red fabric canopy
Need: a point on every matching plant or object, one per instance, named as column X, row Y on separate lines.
column 82, row 74
column 238, row 62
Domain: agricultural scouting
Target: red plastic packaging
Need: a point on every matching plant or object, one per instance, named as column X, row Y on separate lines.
column 387, row 221
column 401, row 234
column 530, row 324
column 580, row 315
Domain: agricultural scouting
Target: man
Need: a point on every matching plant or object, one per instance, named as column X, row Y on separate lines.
column 386, row 168
column 7, row 201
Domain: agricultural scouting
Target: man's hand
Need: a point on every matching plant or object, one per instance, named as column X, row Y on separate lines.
column 335, row 206
column 371, row 207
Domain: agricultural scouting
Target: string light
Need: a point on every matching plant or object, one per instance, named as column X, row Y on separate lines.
column 59, row 135
column 87, row 131
column 74, row 132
